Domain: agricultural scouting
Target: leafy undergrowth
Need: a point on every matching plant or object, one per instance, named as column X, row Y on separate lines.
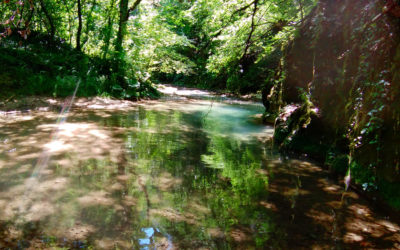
column 37, row 68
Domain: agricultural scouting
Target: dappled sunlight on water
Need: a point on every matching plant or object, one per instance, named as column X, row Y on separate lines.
column 187, row 173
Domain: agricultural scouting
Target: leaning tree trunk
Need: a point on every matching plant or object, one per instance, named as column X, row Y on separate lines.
column 119, row 68
column 50, row 20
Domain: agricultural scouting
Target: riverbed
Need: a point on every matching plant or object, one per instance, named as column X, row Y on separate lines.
column 192, row 170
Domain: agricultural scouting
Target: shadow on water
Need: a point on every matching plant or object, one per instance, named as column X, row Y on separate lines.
column 183, row 174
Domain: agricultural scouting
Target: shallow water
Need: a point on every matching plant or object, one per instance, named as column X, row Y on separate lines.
column 178, row 173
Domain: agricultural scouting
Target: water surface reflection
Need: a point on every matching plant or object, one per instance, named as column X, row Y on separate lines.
column 166, row 175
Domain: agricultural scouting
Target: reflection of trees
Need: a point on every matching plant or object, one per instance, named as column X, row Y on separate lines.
column 235, row 202
column 170, row 173
column 239, row 162
column 166, row 152
column 189, row 195
column 160, row 180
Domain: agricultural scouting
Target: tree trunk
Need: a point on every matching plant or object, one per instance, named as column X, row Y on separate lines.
column 50, row 20
column 123, row 11
column 118, row 64
column 119, row 68
column 89, row 21
column 301, row 11
column 108, row 33
column 79, row 32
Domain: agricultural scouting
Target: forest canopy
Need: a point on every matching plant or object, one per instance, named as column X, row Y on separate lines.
column 128, row 45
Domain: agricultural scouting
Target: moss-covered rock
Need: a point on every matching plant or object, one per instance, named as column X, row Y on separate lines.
column 301, row 130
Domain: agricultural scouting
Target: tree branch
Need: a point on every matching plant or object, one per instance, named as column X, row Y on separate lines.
column 243, row 8
column 46, row 13
column 132, row 8
column 79, row 31
column 253, row 26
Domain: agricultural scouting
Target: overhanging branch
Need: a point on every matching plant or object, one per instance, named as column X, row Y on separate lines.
column 132, row 8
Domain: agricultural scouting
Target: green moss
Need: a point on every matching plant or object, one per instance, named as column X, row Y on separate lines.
column 269, row 118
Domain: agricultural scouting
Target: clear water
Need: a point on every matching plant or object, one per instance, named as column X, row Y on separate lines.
column 172, row 174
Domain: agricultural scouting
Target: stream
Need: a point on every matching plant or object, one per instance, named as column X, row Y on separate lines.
column 189, row 171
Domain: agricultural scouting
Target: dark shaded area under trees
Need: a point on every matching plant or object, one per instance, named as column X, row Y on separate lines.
column 341, row 75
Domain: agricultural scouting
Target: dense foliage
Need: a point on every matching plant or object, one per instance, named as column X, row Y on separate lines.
column 128, row 45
